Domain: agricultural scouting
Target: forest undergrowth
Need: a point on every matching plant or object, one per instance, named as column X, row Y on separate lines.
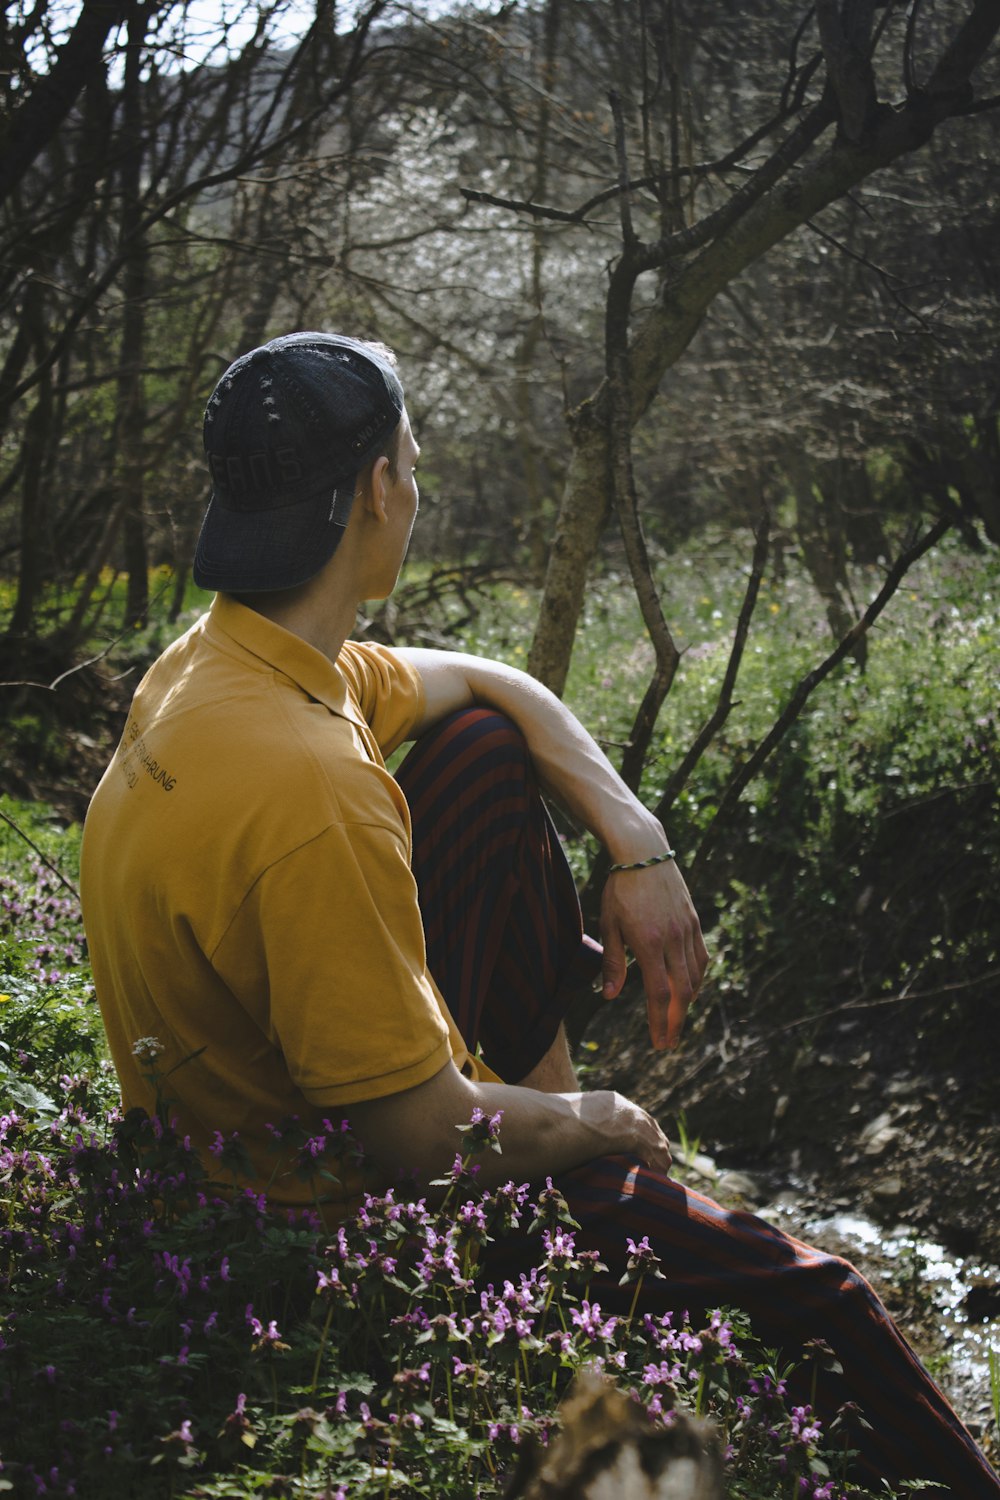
column 166, row 1335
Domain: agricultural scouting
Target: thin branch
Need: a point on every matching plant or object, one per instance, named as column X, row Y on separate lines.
column 629, row 238
column 656, row 181
column 860, row 1002
column 865, row 1002
column 540, row 210
column 808, row 684
column 886, row 277
column 81, row 666
column 793, row 57
column 626, row 504
column 618, row 367
column 792, row 148
column 909, row 76
column 724, row 703
column 44, row 859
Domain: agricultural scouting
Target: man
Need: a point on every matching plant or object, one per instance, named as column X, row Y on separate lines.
column 306, row 935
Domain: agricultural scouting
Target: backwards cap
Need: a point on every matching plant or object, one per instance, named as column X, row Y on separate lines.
column 287, row 430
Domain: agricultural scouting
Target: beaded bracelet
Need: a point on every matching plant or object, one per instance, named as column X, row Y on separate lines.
column 644, row 864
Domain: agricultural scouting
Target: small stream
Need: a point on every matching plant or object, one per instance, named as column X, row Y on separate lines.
column 935, row 1279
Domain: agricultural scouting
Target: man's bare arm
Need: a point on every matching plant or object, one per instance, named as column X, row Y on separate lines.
column 416, row 1132
column 647, row 911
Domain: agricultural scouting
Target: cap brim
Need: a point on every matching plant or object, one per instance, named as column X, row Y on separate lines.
column 262, row 551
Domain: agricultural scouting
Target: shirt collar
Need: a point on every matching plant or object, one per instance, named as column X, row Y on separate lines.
column 285, row 652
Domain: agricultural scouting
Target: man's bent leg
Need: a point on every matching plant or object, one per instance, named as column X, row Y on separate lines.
column 555, row 1073
column 501, row 915
column 713, row 1257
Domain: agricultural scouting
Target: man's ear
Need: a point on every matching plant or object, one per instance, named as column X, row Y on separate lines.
column 376, row 489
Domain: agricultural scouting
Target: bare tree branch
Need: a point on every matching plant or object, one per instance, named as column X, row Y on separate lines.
column 808, row 684
column 909, row 75
column 793, row 57
column 257, row 150
column 952, row 76
column 32, row 845
column 36, row 121
column 619, row 299
column 724, row 702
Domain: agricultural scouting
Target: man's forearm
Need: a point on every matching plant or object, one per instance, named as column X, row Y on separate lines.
column 416, row 1132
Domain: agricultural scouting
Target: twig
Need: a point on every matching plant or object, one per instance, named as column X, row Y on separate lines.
column 50, row 687
column 872, row 1002
column 44, row 859
column 81, row 666
column 793, row 57
column 909, row 75
column 622, row 282
column 723, row 706
column 860, row 1002
column 886, row 277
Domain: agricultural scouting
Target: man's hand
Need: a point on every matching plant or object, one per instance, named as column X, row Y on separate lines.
column 651, row 913
column 629, row 1129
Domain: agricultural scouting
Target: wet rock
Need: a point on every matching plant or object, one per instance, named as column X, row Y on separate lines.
column 878, row 1135
column 981, row 1303
column 699, row 1165
column 888, row 1190
column 786, row 1205
column 738, row 1185
column 902, row 1086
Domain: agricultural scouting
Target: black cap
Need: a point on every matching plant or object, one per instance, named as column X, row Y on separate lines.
column 288, row 429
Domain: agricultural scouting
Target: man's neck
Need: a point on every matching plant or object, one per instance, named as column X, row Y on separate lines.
column 313, row 611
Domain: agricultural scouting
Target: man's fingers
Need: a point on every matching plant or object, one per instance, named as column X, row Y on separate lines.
column 697, row 957
column 615, row 965
column 656, row 982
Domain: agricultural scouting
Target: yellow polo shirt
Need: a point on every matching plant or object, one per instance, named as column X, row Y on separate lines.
column 247, row 891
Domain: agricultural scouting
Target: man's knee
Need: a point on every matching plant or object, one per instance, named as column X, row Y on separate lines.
column 482, row 725
column 481, row 739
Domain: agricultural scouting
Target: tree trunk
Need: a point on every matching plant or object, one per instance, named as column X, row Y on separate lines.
column 131, row 387
column 586, row 504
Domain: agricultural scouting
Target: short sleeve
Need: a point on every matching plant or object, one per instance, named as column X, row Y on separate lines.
column 388, row 690
column 329, row 944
